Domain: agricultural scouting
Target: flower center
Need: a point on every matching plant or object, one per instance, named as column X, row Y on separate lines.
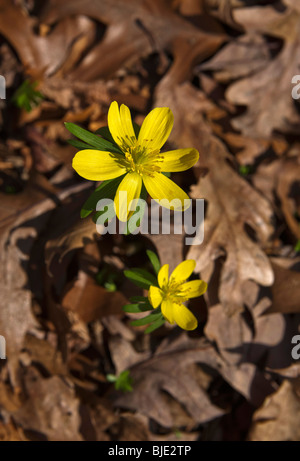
column 143, row 161
column 172, row 292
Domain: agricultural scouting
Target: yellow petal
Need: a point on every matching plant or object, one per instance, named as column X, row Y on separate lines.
column 167, row 310
column 156, row 128
column 120, row 125
column 97, row 165
column 193, row 289
column 163, row 276
column 183, row 271
column 179, row 160
column 128, row 190
column 166, row 192
column 183, row 317
column 155, row 296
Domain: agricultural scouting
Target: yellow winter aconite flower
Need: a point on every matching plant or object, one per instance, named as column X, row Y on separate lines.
column 174, row 291
column 141, row 162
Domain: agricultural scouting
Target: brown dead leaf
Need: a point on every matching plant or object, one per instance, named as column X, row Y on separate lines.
column 233, row 205
column 285, row 291
column 11, row 433
column 173, row 370
column 51, row 410
column 231, row 334
column 270, row 89
column 42, row 352
column 247, row 54
column 91, row 301
column 22, row 222
column 288, row 191
column 279, row 417
column 69, row 237
column 168, row 372
column 271, row 344
column 135, row 30
column 37, row 53
column 280, row 179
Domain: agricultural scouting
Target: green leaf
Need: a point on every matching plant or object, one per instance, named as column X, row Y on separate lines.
column 158, row 323
column 138, row 299
column 245, row 170
column 141, row 277
column 110, row 286
column 124, row 382
column 140, row 208
column 137, row 307
column 154, row 260
column 91, row 138
column 111, row 378
column 131, row 308
column 26, row 97
column 107, row 189
column 105, row 215
column 105, row 133
column 297, row 247
column 78, row 144
column 136, row 129
column 148, row 319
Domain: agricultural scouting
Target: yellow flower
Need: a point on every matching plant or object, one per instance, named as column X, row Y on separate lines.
column 141, row 162
column 173, row 292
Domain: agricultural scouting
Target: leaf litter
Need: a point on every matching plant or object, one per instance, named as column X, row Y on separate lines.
column 225, row 70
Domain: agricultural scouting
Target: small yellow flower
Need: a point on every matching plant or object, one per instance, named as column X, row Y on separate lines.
column 141, row 162
column 173, row 292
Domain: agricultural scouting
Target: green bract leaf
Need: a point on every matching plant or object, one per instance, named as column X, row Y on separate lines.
column 141, row 277
column 137, row 307
column 133, row 223
column 148, row 319
column 78, row 144
column 107, row 189
column 92, row 139
column 158, row 323
column 138, row 299
column 105, row 133
column 154, row 260
column 106, row 214
column 136, row 128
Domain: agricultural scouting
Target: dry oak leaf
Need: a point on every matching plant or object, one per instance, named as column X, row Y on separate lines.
column 9, row 432
column 267, row 93
column 285, row 291
column 170, row 372
column 24, row 216
column 91, row 301
column 279, row 417
column 51, row 409
column 37, row 53
column 174, row 370
column 229, row 333
column 135, row 30
column 239, row 58
column 232, row 205
column 280, row 179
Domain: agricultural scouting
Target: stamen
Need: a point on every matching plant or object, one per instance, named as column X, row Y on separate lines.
column 172, row 291
column 140, row 160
